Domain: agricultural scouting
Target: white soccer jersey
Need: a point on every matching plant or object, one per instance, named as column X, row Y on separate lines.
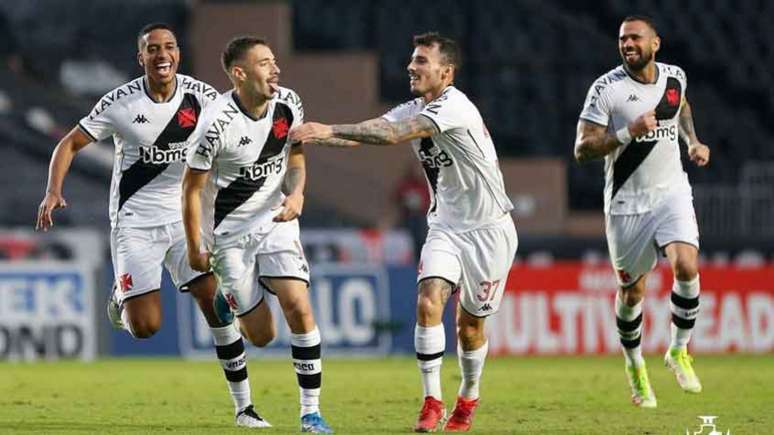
column 460, row 163
column 247, row 158
column 151, row 142
column 640, row 174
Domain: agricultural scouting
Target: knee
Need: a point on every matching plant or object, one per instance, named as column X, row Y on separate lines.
column 262, row 337
column 299, row 315
column 145, row 328
column 685, row 269
column 469, row 334
column 632, row 296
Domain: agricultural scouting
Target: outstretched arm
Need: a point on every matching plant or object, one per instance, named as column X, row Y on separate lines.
column 193, row 183
column 697, row 151
column 61, row 159
column 293, row 186
column 377, row 131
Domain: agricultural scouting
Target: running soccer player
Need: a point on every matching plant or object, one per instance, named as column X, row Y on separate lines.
column 151, row 119
column 472, row 238
column 632, row 118
column 245, row 183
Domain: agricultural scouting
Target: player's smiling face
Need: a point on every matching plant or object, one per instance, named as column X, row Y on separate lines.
column 159, row 55
column 428, row 71
column 637, row 44
column 260, row 72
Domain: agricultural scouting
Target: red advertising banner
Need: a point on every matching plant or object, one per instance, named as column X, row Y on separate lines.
column 568, row 308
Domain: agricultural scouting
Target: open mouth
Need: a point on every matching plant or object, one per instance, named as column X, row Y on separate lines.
column 273, row 84
column 164, row 67
column 413, row 79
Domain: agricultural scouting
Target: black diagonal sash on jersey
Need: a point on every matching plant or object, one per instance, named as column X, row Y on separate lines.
column 632, row 157
column 241, row 189
column 431, row 171
column 177, row 130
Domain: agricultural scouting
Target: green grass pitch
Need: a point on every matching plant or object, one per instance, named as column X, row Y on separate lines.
column 546, row 395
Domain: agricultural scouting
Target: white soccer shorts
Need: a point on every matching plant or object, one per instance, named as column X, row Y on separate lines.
column 634, row 241
column 275, row 254
column 475, row 262
column 140, row 253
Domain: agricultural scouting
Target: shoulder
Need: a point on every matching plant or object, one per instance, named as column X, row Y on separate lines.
column 198, row 87
column 414, row 105
column 117, row 97
column 671, row 70
column 287, row 96
column 608, row 81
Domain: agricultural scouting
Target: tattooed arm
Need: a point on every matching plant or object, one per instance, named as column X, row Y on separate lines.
column 697, row 151
column 377, row 131
column 293, row 186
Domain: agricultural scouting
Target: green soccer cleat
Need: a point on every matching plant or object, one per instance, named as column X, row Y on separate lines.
column 678, row 360
column 642, row 393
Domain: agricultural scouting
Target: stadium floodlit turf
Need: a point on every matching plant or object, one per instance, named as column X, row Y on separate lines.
column 545, row 395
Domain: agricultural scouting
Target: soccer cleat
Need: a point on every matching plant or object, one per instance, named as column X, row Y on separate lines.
column 431, row 416
column 678, row 360
column 462, row 416
column 314, row 423
column 642, row 393
column 114, row 310
column 249, row 418
column 222, row 310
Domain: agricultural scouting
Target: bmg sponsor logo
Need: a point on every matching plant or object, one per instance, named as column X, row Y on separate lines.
column 666, row 132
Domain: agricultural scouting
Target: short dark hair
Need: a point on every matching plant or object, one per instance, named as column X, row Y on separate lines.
column 446, row 46
column 236, row 48
column 644, row 18
column 151, row 27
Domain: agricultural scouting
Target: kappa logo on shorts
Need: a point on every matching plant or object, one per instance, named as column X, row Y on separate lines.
column 231, row 300
column 125, row 282
column 485, row 307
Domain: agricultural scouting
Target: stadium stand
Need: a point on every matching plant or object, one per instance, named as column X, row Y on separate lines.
column 527, row 66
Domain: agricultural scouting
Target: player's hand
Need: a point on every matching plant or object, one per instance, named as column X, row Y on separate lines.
column 699, row 154
column 51, row 202
column 644, row 124
column 199, row 261
column 310, row 132
column 291, row 208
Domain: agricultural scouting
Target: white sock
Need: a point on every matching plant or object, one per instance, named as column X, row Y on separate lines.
column 307, row 361
column 231, row 352
column 430, row 344
column 629, row 322
column 471, row 366
column 685, row 309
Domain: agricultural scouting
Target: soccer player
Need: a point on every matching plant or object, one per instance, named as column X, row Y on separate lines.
column 472, row 239
column 245, row 183
column 632, row 117
column 151, row 119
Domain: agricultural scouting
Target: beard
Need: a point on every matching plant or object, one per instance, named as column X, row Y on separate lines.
column 639, row 64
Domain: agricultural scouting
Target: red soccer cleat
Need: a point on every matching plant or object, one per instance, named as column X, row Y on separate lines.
column 431, row 416
column 462, row 417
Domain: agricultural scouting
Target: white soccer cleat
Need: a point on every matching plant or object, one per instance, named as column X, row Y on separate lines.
column 678, row 360
column 114, row 310
column 642, row 393
column 249, row 418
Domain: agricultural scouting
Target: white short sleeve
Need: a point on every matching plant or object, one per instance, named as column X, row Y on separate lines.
column 449, row 111
column 98, row 124
column 597, row 106
column 403, row 111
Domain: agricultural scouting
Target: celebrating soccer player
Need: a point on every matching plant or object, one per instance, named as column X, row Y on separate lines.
column 472, row 238
column 632, row 117
column 151, row 119
column 252, row 180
